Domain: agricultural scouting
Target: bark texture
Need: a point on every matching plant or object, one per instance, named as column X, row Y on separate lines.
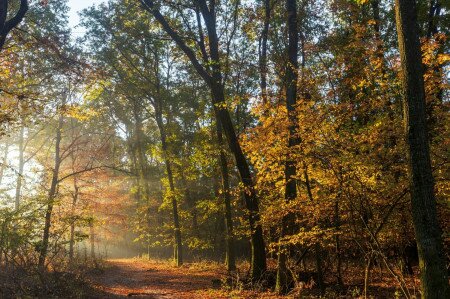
column 428, row 233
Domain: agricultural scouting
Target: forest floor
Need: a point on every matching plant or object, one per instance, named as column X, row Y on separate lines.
column 137, row 278
column 151, row 279
column 160, row 279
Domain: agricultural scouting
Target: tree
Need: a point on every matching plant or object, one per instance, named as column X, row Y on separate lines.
column 52, row 191
column 230, row 250
column 6, row 25
column 290, row 170
column 212, row 74
column 426, row 226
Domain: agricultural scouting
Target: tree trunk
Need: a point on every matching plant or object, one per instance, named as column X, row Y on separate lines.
column 230, row 260
column 5, row 160
column 263, row 52
column 258, row 252
column 319, row 266
column 337, row 225
column 51, row 195
column 92, row 238
column 426, row 226
column 7, row 25
column 258, row 257
column 215, row 81
column 20, row 169
column 378, row 40
column 367, row 275
column 72, row 224
column 433, row 14
column 142, row 167
column 290, row 168
column 178, row 249
column 433, row 17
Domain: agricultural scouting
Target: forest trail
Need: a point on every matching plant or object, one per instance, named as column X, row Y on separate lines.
column 133, row 278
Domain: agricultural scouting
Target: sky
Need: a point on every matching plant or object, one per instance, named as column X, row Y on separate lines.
column 76, row 6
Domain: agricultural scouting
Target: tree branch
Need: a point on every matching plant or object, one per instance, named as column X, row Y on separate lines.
column 7, row 26
column 150, row 7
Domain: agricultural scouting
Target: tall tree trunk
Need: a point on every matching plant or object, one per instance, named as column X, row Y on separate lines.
column 319, row 266
column 258, row 252
column 290, row 168
column 51, row 195
column 20, row 169
column 258, row 257
column 230, row 254
column 142, row 167
column 428, row 233
column 432, row 31
column 158, row 108
column 367, row 274
column 263, row 52
column 75, row 194
column 213, row 77
column 337, row 226
column 92, row 238
column 433, row 13
column 2, row 169
column 72, row 223
column 377, row 29
column 178, row 249
column 5, row 160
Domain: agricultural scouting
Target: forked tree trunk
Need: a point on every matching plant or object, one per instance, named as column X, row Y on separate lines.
column 426, row 226
column 6, row 25
column 212, row 76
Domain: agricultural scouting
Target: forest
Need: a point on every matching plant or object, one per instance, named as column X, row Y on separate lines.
column 225, row 149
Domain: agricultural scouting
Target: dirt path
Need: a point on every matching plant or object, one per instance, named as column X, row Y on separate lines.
column 156, row 280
